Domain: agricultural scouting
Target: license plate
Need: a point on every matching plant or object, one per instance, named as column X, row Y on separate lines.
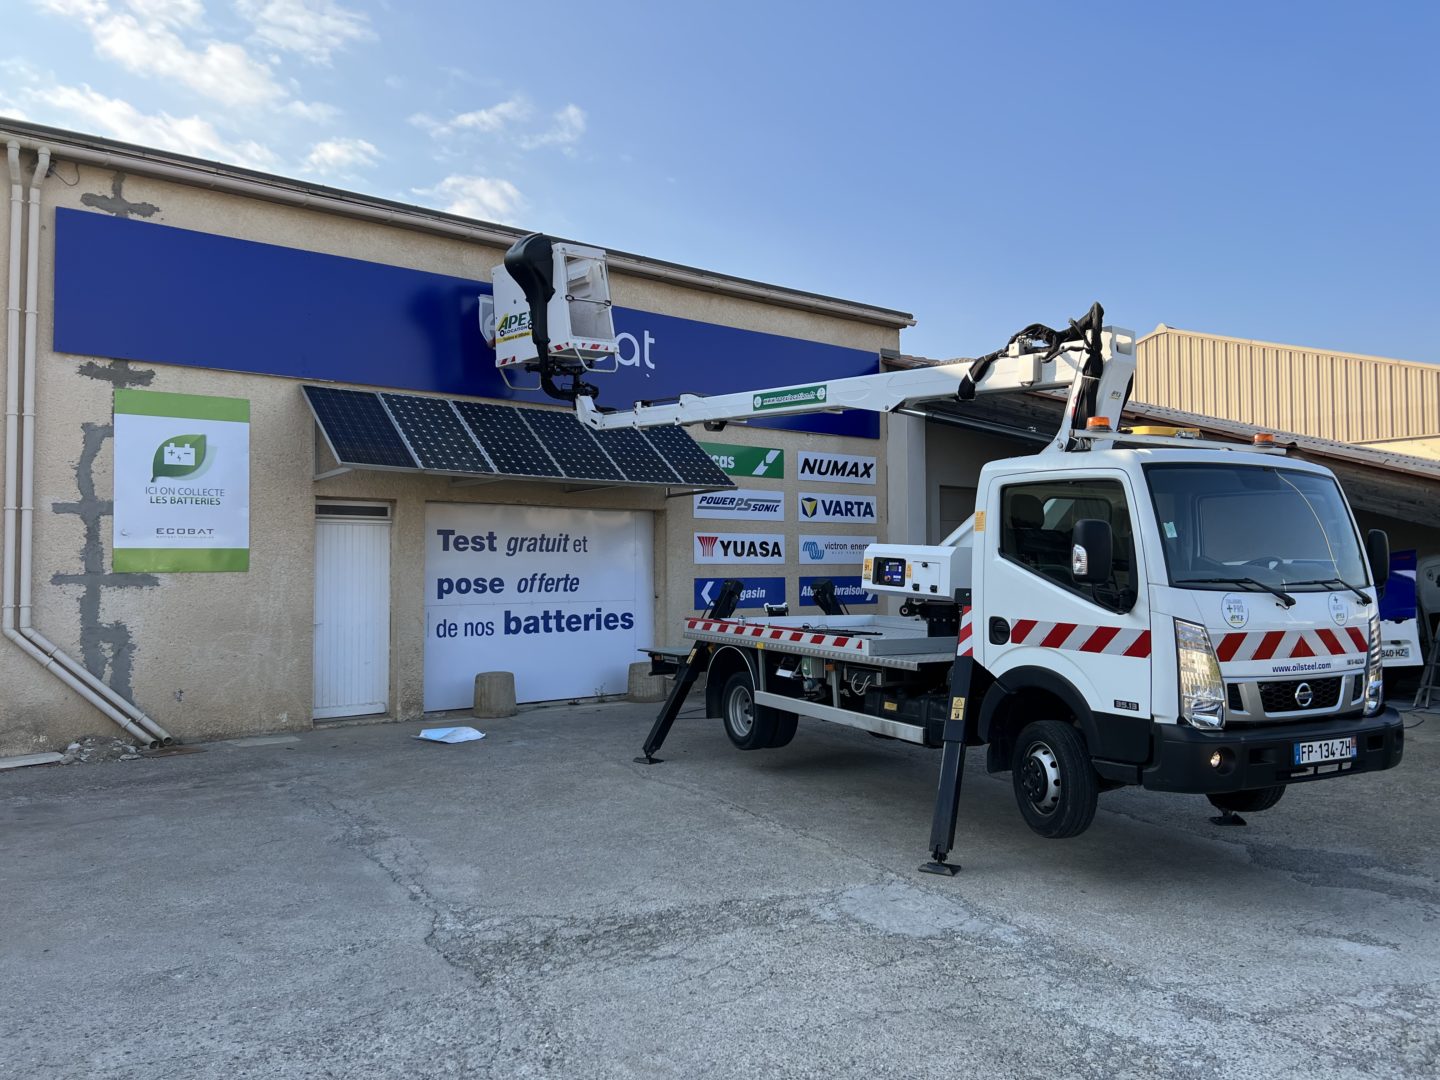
column 1322, row 750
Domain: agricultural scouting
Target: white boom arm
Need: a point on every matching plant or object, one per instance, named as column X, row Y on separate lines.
column 1017, row 369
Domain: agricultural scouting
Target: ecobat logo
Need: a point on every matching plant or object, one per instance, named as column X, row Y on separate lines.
column 179, row 455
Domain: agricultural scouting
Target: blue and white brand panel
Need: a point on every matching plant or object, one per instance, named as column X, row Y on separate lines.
column 837, row 468
column 848, row 590
column 831, row 548
column 757, row 592
column 742, row 504
column 819, row 506
column 713, row 547
column 181, row 310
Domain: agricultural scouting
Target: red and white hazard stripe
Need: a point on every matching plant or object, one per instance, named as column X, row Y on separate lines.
column 1075, row 637
column 1288, row 644
column 762, row 632
column 966, row 644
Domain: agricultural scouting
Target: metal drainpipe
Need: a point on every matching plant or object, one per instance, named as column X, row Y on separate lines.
column 15, row 623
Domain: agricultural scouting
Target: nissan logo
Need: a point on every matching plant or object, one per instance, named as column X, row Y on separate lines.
column 1304, row 695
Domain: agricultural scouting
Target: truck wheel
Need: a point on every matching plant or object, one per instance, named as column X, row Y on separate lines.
column 750, row 726
column 785, row 725
column 1247, row 802
column 1055, row 784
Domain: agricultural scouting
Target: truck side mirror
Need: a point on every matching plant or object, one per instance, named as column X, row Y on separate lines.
column 1377, row 549
column 1092, row 551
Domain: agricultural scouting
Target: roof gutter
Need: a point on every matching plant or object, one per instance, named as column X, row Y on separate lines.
column 215, row 177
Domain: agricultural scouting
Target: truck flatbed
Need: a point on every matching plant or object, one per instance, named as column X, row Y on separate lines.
column 880, row 640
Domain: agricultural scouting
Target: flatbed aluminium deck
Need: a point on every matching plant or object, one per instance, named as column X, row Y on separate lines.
column 880, row 640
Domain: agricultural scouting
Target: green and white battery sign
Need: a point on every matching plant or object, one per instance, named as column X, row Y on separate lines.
column 182, row 483
column 790, row 397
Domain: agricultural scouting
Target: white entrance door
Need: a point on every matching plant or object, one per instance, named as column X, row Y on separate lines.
column 352, row 610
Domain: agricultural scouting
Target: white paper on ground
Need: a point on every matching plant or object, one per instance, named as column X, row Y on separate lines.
column 450, row 734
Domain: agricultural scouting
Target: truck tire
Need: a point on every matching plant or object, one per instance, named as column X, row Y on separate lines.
column 1247, row 802
column 1055, row 784
column 785, row 725
column 750, row 726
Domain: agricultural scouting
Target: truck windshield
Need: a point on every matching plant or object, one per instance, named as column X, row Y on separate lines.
column 1279, row 528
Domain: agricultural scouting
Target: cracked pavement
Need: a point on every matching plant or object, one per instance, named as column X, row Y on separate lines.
column 354, row 903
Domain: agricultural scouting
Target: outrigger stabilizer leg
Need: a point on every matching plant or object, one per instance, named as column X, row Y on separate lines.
column 690, row 669
column 968, row 683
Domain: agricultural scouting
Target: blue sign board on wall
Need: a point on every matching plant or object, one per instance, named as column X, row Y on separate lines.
column 135, row 290
column 848, row 590
column 758, row 591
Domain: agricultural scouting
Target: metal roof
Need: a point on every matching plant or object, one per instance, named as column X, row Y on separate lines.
column 1377, row 480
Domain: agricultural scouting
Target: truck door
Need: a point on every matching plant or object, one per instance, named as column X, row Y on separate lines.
column 1040, row 625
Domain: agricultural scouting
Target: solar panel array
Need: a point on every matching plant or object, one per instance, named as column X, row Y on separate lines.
column 368, row 429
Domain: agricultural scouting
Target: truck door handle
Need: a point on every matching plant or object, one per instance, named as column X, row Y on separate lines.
column 999, row 630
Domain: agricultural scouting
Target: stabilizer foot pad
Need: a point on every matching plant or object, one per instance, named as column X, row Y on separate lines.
column 944, row 869
column 1228, row 819
column 647, row 760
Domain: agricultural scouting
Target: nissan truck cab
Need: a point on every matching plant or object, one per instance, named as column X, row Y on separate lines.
column 1196, row 620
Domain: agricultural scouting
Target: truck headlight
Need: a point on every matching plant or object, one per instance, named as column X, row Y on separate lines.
column 1202, row 691
column 1374, row 671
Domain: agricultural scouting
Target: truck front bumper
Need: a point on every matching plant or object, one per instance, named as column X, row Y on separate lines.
column 1265, row 756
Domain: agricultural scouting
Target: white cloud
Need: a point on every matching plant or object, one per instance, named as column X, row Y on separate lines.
column 88, row 109
column 315, row 29
column 144, row 40
column 476, row 197
column 566, row 128
column 220, row 70
column 167, row 12
column 74, row 9
column 489, row 120
column 315, row 111
column 341, row 154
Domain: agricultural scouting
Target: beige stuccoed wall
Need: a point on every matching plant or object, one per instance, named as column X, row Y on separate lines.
column 223, row 654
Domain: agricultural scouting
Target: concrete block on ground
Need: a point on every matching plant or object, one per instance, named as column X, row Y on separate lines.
column 644, row 686
column 495, row 694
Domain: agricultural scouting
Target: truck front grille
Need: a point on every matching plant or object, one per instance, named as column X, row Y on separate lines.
column 1280, row 697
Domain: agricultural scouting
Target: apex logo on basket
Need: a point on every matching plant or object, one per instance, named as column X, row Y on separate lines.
column 815, row 507
column 739, row 547
column 837, row 468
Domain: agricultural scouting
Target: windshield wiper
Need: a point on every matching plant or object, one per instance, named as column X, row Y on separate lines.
column 1334, row 581
column 1285, row 598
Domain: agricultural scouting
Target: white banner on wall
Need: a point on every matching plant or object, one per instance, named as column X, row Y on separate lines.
column 182, row 483
column 837, row 468
column 561, row 598
column 743, row 504
column 834, row 549
column 713, row 547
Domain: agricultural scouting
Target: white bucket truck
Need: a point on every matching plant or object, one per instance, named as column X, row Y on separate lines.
column 1126, row 607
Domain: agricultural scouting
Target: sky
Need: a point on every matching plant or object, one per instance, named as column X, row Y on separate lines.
column 1259, row 170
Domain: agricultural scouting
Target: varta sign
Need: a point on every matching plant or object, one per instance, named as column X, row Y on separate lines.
column 837, row 468
column 818, row 507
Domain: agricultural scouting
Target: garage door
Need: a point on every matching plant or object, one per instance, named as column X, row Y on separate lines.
column 561, row 598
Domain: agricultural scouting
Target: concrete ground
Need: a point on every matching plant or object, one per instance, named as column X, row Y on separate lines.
column 353, row 903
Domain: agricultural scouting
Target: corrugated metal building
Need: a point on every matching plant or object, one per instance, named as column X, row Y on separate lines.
column 1344, row 397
